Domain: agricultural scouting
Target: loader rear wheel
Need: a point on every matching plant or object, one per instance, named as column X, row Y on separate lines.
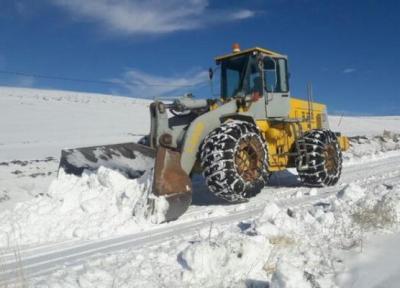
column 234, row 161
column 320, row 164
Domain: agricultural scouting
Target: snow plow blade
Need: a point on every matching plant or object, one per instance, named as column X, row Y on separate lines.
column 133, row 160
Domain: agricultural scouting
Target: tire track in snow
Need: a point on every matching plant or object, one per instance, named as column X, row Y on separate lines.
column 47, row 259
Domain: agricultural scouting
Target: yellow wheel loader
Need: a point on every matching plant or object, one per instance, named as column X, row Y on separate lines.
column 236, row 142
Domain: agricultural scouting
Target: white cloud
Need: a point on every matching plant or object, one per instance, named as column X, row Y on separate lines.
column 243, row 14
column 151, row 16
column 144, row 85
column 349, row 70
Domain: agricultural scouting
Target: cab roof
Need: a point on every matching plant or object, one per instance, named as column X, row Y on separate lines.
column 248, row 51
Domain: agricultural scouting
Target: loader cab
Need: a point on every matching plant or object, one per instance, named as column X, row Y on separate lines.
column 258, row 74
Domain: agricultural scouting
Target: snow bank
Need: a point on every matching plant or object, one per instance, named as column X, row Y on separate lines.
column 223, row 262
column 293, row 247
column 296, row 247
column 370, row 147
column 95, row 205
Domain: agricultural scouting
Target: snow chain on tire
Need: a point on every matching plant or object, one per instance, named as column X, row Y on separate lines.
column 319, row 161
column 234, row 160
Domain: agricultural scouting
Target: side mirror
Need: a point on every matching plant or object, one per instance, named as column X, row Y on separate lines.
column 210, row 73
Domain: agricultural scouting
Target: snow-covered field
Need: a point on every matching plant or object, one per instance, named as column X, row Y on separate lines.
column 367, row 126
column 36, row 124
column 80, row 232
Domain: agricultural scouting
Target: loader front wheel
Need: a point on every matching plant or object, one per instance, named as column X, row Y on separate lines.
column 234, row 161
column 319, row 160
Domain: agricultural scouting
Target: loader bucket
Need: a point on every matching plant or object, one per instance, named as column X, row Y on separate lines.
column 172, row 182
column 133, row 160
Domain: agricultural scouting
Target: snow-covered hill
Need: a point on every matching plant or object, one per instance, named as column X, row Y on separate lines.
column 364, row 126
column 36, row 124
column 287, row 236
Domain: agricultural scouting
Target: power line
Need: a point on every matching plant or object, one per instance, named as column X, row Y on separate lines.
column 51, row 77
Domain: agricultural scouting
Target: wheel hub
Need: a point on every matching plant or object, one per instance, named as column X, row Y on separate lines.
column 249, row 158
column 330, row 158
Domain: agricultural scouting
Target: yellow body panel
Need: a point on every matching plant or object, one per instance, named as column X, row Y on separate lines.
column 195, row 139
column 300, row 109
column 344, row 143
column 281, row 136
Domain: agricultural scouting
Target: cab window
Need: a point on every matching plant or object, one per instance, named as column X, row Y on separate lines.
column 275, row 75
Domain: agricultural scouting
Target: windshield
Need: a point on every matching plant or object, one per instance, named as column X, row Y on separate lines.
column 233, row 71
column 241, row 75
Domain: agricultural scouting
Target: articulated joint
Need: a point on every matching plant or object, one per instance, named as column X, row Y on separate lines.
column 165, row 140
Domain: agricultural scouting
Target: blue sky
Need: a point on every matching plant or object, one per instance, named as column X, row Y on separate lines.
column 349, row 50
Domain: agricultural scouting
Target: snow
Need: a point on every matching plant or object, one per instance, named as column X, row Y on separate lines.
column 377, row 266
column 295, row 247
column 37, row 124
column 95, row 205
column 304, row 237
